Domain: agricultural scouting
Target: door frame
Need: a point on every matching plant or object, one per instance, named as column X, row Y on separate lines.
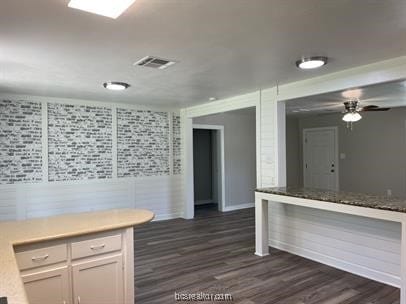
column 336, row 160
column 220, row 129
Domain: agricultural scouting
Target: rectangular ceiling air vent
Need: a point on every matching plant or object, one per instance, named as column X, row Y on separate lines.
column 155, row 62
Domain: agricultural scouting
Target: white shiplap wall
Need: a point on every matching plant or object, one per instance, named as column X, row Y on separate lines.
column 364, row 246
column 268, row 139
column 161, row 194
column 367, row 247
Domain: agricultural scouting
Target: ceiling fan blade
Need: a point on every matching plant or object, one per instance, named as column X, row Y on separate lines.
column 374, row 109
column 371, row 107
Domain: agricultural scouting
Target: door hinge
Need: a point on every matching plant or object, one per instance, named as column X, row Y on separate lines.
column 305, row 140
column 306, row 166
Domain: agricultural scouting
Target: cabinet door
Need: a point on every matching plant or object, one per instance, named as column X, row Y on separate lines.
column 48, row 286
column 99, row 281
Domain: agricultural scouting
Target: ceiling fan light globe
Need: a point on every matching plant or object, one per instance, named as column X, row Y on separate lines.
column 352, row 117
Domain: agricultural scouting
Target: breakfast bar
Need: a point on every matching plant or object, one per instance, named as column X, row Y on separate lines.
column 364, row 205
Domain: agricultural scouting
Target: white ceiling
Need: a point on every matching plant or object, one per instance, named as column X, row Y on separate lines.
column 224, row 47
column 392, row 94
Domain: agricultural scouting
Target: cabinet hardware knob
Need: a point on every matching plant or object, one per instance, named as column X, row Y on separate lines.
column 98, row 247
column 40, row 258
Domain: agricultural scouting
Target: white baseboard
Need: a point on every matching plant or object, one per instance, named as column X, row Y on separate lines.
column 169, row 216
column 238, row 207
column 336, row 263
column 261, row 255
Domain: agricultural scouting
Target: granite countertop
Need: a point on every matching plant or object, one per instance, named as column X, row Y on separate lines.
column 36, row 230
column 341, row 197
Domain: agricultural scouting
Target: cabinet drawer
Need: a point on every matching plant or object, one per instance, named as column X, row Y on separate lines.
column 41, row 257
column 96, row 246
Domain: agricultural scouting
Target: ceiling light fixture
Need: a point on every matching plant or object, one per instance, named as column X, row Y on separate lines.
column 116, row 86
column 308, row 63
column 352, row 117
column 351, row 113
column 108, row 8
column 212, row 99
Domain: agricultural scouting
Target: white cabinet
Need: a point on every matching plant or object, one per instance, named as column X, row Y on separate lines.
column 48, row 286
column 44, row 256
column 96, row 246
column 98, row 281
column 91, row 269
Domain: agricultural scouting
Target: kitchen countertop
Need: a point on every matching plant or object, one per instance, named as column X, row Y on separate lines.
column 43, row 229
column 341, row 197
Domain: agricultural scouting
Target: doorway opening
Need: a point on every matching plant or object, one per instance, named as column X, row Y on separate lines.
column 232, row 165
column 208, row 167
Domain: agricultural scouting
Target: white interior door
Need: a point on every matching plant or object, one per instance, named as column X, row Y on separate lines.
column 320, row 159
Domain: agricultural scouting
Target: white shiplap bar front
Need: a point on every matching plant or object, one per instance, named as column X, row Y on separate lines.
column 262, row 200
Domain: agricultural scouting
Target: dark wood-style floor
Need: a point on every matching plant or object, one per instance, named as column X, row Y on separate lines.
column 214, row 253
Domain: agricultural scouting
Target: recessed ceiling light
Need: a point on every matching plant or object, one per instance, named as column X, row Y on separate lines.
column 107, row 8
column 311, row 62
column 116, row 86
column 212, row 98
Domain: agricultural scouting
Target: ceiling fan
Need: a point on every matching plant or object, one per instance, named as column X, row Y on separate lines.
column 352, row 109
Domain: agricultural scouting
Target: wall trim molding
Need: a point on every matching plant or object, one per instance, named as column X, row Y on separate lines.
column 74, row 101
column 44, row 141
column 168, row 216
column 336, row 263
column 239, row 207
column 114, row 142
column 170, row 142
column 88, row 181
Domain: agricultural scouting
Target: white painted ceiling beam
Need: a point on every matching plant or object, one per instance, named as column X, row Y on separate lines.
column 379, row 72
